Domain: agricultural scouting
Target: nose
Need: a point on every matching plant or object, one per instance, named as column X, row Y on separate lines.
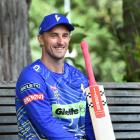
column 60, row 40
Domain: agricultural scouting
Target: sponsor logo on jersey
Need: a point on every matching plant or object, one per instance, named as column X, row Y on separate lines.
column 55, row 91
column 36, row 68
column 53, row 88
column 63, row 111
column 69, row 111
column 33, row 97
column 29, row 86
column 83, row 88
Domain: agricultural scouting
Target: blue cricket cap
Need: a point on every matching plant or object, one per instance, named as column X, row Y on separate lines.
column 52, row 20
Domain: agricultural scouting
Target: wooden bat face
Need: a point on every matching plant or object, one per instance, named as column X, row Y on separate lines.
column 102, row 125
column 97, row 101
column 100, row 90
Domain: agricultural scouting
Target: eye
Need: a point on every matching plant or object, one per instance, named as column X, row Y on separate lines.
column 53, row 35
column 66, row 35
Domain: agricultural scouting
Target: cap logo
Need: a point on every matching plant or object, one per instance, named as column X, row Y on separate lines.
column 57, row 18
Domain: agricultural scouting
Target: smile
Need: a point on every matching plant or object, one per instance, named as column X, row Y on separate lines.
column 59, row 47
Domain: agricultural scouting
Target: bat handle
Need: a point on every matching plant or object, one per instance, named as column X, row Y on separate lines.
column 88, row 64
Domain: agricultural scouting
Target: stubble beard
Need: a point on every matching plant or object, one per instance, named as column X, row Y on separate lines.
column 53, row 54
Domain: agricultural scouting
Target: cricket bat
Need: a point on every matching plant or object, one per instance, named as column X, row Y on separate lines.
column 97, row 103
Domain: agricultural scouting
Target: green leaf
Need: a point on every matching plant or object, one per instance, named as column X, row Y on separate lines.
column 77, row 37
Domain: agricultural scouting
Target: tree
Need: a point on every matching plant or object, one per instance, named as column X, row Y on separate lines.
column 95, row 24
column 111, row 29
column 130, row 39
column 14, row 48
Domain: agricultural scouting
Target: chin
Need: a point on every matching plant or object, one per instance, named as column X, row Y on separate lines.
column 59, row 58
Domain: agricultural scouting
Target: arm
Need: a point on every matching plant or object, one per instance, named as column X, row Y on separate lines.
column 88, row 126
column 39, row 109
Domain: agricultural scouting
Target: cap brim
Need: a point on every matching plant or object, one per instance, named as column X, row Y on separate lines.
column 69, row 26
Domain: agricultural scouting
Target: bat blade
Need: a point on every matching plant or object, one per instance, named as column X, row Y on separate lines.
column 97, row 101
column 98, row 108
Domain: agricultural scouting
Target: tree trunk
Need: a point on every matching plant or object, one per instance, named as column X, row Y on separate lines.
column 14, row 47
column 131, row 16
column 131, row 31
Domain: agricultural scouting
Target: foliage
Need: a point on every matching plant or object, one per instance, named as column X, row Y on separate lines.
column 99, row 23
column 129, row 37
column 132, row 59
column 38, row 10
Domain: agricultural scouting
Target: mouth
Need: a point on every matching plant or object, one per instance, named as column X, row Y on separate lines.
column 59, row 51
column 59, row 47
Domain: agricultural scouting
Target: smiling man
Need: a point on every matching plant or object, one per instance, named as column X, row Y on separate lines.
column 50, row 100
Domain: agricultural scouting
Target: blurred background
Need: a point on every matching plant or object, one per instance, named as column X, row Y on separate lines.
column 111, row 28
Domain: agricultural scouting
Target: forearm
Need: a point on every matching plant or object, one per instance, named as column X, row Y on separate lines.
column 47, row 125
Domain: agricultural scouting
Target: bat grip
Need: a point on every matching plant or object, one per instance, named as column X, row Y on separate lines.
column 88, row 64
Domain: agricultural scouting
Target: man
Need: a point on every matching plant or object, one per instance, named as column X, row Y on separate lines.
column 50, row 102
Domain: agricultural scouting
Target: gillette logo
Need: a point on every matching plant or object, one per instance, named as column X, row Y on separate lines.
column 63, row 111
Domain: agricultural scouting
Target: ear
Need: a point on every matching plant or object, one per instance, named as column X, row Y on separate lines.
column 40, row 39
column 70, row 38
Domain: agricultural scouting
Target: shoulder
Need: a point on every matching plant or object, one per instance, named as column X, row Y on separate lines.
column 30, row 73
column 75, row 73
column 75, row 70
column 32, row 69
column 76, row 77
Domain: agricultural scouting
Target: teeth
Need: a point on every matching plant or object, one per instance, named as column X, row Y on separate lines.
column 59, row 47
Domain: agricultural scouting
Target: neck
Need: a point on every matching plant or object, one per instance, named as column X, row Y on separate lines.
column 54, row 65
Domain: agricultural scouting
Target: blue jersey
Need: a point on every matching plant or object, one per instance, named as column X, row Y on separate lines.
column 52, row 106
